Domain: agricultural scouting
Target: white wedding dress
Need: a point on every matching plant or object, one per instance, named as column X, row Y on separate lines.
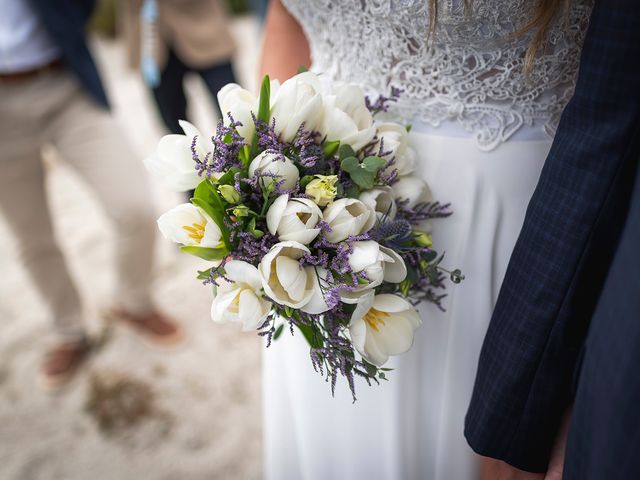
column 481, row 129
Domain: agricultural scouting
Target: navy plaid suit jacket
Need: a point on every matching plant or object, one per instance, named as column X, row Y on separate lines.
column 572, row 227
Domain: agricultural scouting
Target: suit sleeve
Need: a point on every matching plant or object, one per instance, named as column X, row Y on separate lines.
column 558, row 266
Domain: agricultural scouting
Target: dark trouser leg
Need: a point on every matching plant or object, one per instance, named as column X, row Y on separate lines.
column 215, row 78
column 169, row 95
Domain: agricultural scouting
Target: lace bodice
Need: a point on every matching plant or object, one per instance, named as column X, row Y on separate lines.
column 470, row 72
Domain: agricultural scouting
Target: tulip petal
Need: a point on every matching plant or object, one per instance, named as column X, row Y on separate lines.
column 303, row 236
column 274, row 214
column 365, row 253
column 250, row 311
column 316, row 304
column 373, row 352
column 395, row 336
column 221, row 303
column 390, row 303
column 292, row 277
column 244, row 272
column 395, row 271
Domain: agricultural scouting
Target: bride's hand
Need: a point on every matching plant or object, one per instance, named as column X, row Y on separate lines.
column 285, row 47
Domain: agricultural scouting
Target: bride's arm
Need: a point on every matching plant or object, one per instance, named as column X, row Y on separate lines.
column 285, row 46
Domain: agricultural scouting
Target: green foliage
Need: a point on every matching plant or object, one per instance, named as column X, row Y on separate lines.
column 304, row 181
column 251, row 228
column 228, row 192
column 330, row 148
column 278, row 332
column 312, row 335
column 363, row 174
column 211, row 254
column 207, row 198
column 264, row 108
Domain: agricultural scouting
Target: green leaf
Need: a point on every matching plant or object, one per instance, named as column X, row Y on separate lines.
column 363, row 178
column 330, row 148
column 251, row 228
column 371, row 369
column 204, row 274
column 302, row 69
column 312, row 336
column 373, row 164
column 211, row 254
column 207, row 198
column 229, row 178
column 228, row 192
column 245, row 156
column 345, row 151
column 350, row 164
column 352, row 192
column 279, row 330
column 264, row 103
column 304, row 181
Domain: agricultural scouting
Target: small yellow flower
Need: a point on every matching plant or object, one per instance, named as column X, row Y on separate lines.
column 322, row 189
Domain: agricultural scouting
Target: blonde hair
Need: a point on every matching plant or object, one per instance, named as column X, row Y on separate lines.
column 540, row 23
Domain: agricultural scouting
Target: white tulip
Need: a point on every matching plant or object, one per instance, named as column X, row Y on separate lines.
column 394, row 138
column 413, row 189
column 317, row 303
column 190, row 225
column 383, row 325
column 347, row 118
column 381, row 200
column 294, row 219
column 283, row 279
column 281, row 167
column 172, row 163
column 378, row 264
column 348, row 217
column 241, row 299
column 240, row 103
column 297, row 101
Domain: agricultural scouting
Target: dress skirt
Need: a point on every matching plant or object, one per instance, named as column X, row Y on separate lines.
column 411, row 427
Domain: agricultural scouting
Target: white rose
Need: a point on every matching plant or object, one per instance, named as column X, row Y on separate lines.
column 347, row 118
column 172, row 163
column 348, row 217
column 381, row 200
column 241, row 103
column 378, row 263
column 190, row 225
column 413, row 189
column 294, row 219
column 297, row 101
column 285, row 281
column 241, row 299
column 383, row 325
column 394, row 138
column 281, row 167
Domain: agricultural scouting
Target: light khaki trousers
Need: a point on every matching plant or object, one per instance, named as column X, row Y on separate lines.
column 53, row 108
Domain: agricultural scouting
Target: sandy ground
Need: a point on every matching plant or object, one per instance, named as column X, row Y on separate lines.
column 136, row 412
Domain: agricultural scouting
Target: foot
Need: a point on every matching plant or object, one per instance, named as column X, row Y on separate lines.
column 62, row 362
column 153, row 326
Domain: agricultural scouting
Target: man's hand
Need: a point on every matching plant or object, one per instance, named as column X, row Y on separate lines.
column 556, row 464
column 493, row 469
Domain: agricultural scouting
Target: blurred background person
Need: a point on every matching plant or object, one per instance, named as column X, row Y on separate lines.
column 51, row 92
column 169, row 39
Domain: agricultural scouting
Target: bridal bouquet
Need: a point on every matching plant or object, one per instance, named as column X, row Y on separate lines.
column 307, row 209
